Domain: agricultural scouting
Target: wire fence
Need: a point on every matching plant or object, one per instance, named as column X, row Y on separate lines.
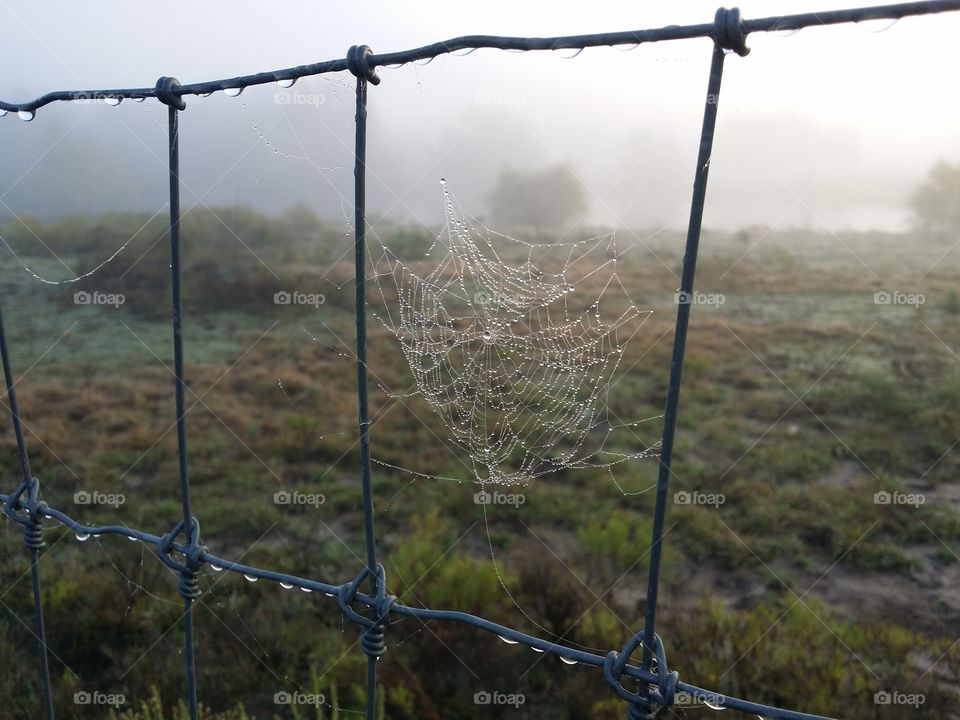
column 181, row 549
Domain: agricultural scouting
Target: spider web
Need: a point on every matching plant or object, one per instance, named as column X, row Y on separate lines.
column 504, row 351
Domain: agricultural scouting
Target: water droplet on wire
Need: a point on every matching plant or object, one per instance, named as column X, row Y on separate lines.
column 26, row 115
column 131, row 538
column 112, row 101
column 83, row 537
column 232, row 92
column 216, row 568
column 568, row 661
column 287, row 83
column 286, row 585
column 250, row 578
column 507, row 640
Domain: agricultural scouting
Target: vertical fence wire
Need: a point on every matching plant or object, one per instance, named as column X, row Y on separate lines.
column 32, row 534
column 177, row 312
column 684, row 296
column 360, row 281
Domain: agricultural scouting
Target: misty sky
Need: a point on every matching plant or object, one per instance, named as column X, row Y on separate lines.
column 828, row 127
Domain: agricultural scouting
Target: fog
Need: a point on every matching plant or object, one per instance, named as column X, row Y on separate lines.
column 824, row 128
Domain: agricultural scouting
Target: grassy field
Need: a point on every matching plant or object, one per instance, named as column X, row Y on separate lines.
column 810, row 560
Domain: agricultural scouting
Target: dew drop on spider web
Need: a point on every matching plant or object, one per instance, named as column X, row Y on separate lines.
column 516, row 375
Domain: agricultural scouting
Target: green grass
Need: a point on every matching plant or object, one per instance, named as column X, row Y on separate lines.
column 802, row 400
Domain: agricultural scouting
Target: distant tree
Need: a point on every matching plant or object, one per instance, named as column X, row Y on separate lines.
column 546, row 198
column 936, row 201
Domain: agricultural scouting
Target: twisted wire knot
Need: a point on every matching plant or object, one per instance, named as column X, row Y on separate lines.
column 358, row 62
column 33, row 530
column 189, row 584
column 374, row 628
column 374, row 643
column 32, row 519
column 12, row 503
column 165, row 94
column 728, row 31
column 643, row 705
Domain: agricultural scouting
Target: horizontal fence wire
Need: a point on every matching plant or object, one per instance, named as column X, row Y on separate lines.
column 181, row 548
column 475, row 42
